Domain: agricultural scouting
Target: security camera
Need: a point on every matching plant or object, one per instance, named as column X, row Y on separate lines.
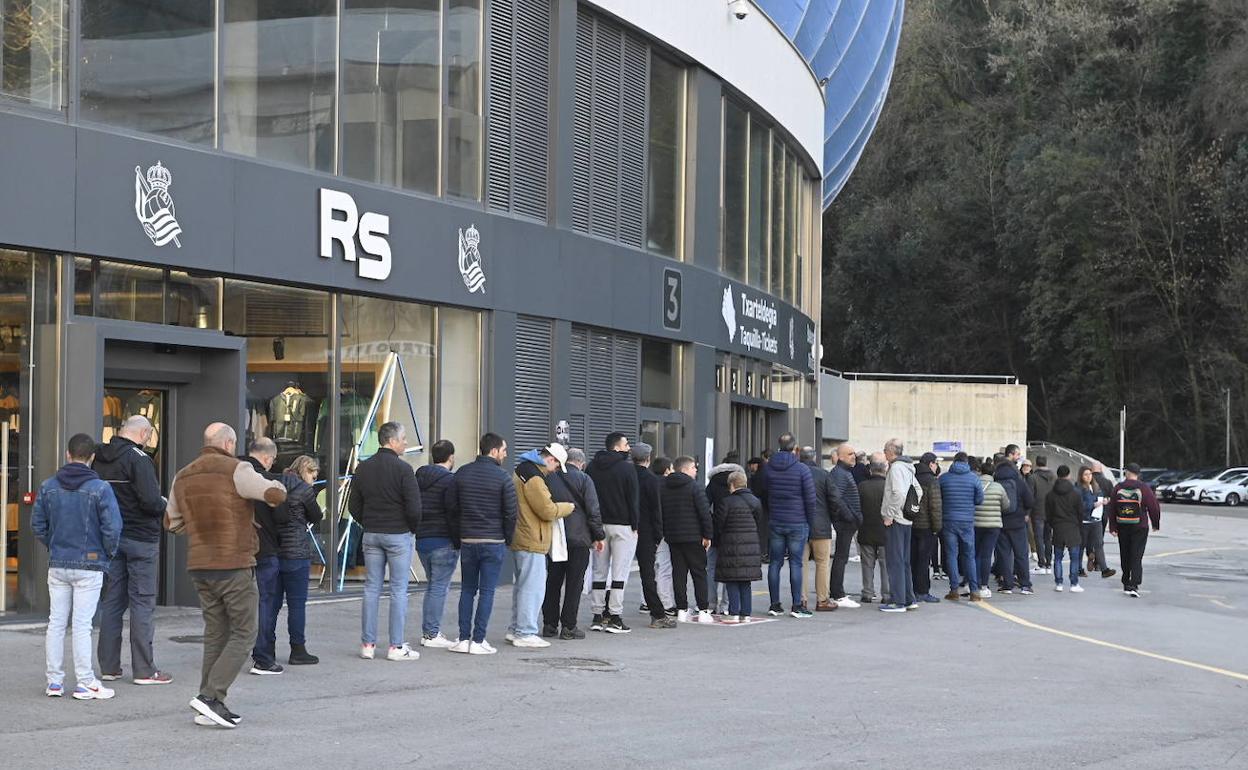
column 739, row 8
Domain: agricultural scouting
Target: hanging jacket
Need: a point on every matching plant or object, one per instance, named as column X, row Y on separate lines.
column 434, row 481
column 995, row 503
column 616, row 482
column 1063, row 510
column 686, row 512
column 739, row 555
column 132, row 475
column 77, row 518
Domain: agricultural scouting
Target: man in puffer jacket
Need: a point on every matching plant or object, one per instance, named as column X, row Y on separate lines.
column 788, row 495
column 436, row 543
column 960, row 493
column 996, row 502
column 531, row 544
column 688, row 531
column 926, row 524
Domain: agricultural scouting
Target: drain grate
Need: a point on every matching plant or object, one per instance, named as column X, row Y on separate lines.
column 192, row 639
column 574, row 664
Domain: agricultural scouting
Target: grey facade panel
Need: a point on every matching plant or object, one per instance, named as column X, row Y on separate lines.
column 534, row 363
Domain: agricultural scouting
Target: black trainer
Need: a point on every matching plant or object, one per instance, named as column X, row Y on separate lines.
column 266, row 669
column 550, row 632
column 571, row 634
column 214, row 711
column 776, row 610
column 615, row 625
column 596, row 623
column 299, row 656
column 644, row 607
column 670, row 612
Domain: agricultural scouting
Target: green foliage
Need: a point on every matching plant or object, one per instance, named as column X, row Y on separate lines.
column 1058, row 189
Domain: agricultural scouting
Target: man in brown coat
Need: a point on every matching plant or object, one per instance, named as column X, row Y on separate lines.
column 210, row 502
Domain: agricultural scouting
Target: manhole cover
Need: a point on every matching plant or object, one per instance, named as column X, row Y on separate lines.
column 193, row 639
column 574, row 664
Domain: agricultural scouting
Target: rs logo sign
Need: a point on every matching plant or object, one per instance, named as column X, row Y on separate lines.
column 341, row 222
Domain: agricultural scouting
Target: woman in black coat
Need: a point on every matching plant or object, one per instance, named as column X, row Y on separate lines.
column 1064, row 512
column 740, row 558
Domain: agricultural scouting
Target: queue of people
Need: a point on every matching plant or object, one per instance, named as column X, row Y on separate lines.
column 572, row 526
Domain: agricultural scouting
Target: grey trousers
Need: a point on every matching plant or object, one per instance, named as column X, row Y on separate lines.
column 611, row 568
column 230, row 607
column 872, row 555
column 130, row 583
column 663, row 575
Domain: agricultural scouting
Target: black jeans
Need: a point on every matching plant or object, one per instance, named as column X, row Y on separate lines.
column 922, row 543
column 1132, row 539
column 568, row 577
column 689, row 558
column 1015, row 561
column 840, row 557
column 646, row 553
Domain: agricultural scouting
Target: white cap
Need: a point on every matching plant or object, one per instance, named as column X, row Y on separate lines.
column 557, row 451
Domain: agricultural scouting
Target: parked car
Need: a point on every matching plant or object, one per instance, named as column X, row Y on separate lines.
column 1150, row 475
column 1189, row 491
column 1164, row 486
column 1233, row 491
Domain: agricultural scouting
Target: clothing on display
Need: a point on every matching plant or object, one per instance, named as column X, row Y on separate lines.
column 114, row 414
column 290, row 413
column 147, row 404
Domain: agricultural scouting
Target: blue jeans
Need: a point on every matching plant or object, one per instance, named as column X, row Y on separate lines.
column 480, row 565
column 74, row 594
column 382, row 550
column 985, row 549
column 897, row 548
column 439, row 560
column 1076, row 556
column 527, row 592
column 295, row 588
column 740, row 597
column 269, row 586
column 787, row 539
column 959, row 537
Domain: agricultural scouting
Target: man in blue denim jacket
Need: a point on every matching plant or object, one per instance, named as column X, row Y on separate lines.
column 77, row 518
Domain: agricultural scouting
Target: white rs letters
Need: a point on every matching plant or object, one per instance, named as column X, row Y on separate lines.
column 371, row 228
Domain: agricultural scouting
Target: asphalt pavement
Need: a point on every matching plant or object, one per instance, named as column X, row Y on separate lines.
column 1051, row 680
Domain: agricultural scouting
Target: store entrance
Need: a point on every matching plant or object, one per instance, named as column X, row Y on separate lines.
column 755, row 428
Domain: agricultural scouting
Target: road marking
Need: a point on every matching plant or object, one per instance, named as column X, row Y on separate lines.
column 1221, row 604
column 1122, row 648
column 1194, row 550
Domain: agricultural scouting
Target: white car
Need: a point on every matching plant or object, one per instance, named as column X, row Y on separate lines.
column 1233, row 491
column 1189, row 491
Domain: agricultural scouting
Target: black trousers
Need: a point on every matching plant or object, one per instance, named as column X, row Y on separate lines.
column 646, row 553
column 840, row 557
column 1132, row 539
column 922, row 543
column 687, row 559
column 568, row 577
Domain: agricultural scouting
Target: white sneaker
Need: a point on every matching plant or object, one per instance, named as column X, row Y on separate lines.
column 530, row 641
column 1076, row 589
column 1058, row 588
column 705, row 617
column 463, row 645
column 402, row 653
column 729, row 619
column 745, row 619
column 483, row 648
column 847, row 603
column 438, row 642
column 368, row 651
column 682, row 616
column 984, row 593
column 855, row 559
column 509, row 637
column 93, row 691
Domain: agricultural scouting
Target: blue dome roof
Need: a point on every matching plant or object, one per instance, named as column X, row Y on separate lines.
column 852, row 43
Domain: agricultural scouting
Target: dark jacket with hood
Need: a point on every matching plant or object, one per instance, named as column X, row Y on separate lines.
column 872, row 530
column 788, row 490
column 76, row 517
column 736, row 521
column 960, row 492
column 583, row 527
column 616, row 482
column 482, row 504
column 1041, row 483
column 1151, row 512
column 384, row 496
column 825, row 492
column 270, row 520
column 717, row 486
column 846, row 507
column 434, row 481
column 649, row 487
column 686, row 512
column 932, row 505
column 132, row 475
column 1063, row 509
column 1024, row 500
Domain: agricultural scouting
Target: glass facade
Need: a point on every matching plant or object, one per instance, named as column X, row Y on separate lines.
column 665, row 161
column 32, row 51
column 734, row 219
column 462, row 118
column 146, row 294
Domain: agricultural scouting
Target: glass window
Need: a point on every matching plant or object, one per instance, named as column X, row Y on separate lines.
column 130, row 292
column 84, row 282
column 192, row 300
column 390, row 92
column 150, row 65
column 733, row 217
column 459, row 381
column 776, row 279
column 665, row 164
column 32, row 51
column 278, row 100
column 760, row 195
column 790, row 226
column 462, row 55
column 660, row 374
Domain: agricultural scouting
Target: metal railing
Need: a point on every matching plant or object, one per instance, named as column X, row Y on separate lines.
column 1004, row 379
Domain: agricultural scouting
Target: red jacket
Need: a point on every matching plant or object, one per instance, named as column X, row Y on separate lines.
column 1146, row 495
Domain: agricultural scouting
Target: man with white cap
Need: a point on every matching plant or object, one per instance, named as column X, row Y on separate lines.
column 532, row 540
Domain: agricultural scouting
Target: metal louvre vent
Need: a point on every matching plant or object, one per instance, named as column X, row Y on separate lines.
column 633, row 141
column 518, row 125
column 611, row 365
column 626, row 388
column 533, row 373
column 578, row 374
column 582, row 121
column 284, row 314
column 498, row 124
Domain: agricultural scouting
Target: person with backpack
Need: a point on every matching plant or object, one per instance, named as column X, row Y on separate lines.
column 735, row 534
column 1014, row 550
column 1093, row 511
column 988, row 523
column 903, row 498
column 1063, row 510
column 1041, row 481
column 1132, row 508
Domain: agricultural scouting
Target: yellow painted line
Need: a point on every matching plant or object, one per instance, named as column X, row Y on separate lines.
column 1121, row 648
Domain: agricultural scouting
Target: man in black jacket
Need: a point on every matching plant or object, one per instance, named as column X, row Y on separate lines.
column 1013, row 551
column 819, row 544
column 583, row 532
column 688, row 529
column 385, row 500
column 132, row 576
column 269, row 524
column 649, row 535
column 434, row 543
column 845, row 509
column 482, row 508
column 616, row 481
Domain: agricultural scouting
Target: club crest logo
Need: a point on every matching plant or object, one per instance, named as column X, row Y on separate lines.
column 728, row 309
column 154, row 207
column 470, row 260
